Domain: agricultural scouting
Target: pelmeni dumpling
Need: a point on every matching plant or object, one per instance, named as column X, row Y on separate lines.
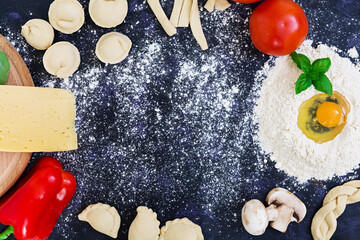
column 181, row 229
column 145, row 226
column 103, row 218
column 38, row 33
column 113, row 47
column 61, row 59
column 108, row 13
column 66, row 16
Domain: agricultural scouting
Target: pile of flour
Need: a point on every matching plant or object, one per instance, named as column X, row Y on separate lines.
column 277, row 112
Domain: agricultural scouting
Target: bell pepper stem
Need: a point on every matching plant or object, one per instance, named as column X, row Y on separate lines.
column 8, row 231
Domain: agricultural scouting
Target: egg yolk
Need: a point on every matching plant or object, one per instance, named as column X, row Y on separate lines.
column 329, row 114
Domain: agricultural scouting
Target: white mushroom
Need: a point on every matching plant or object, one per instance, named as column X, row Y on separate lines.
column 290, row 208
column 255, row 217
column 284, row 208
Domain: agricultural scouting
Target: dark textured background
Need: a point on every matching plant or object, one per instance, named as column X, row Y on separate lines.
column 177, row 160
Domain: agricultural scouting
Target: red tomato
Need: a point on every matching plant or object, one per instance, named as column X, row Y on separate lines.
column 246, row 1
column 278, row 27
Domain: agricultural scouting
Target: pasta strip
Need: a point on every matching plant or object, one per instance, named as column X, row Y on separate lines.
column 222, row 4
column 175, row 14
column 195, row 25
column 161, row 16
column 184, row 19
column 210, row 5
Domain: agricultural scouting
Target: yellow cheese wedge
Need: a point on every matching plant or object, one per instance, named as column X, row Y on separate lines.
column 34, row 119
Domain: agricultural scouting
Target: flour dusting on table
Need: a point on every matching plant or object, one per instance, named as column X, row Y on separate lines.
column 277, row 113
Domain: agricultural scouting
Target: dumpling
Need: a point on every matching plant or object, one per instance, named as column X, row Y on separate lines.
column 103, row 218
column 181, row 229
column 145, row 225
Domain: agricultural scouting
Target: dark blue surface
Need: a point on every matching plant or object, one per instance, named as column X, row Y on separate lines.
column 152, row 168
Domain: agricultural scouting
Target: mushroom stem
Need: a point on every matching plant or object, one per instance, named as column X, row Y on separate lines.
column 272, row 213
column 285, row 216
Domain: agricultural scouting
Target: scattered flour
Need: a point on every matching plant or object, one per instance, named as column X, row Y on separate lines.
column 353, row 52
column 277, row 113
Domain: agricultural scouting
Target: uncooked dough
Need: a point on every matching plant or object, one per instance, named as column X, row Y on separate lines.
column 66, row 16
column 62, row 59
column 113, row 47
column 324, row 222
column 175, row 13
column 210, row 5
column 222, row 4
column 161, row 16
column 108, row 13
column 103, row 218
column 184, row 18
column 38, row 33
column 145, row 226
column 181, row 229
column 195, row 26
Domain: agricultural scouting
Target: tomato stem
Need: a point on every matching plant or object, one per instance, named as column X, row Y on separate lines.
column 8, row 231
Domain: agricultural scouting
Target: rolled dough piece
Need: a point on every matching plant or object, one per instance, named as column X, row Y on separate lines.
column 103, row 218
column 184, row 18
column 113, row 47
column 175, row 14
column 38, row 33
column 222, row 4
column 145, row 226
column 195, row 26
column 181, row 229
column 62, row 59
column 324, row 223
column 161, row 16
column 108, row 13
column 66, row 16
column 210, row 5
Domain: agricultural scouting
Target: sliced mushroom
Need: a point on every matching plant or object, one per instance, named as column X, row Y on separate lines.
column 290, row 208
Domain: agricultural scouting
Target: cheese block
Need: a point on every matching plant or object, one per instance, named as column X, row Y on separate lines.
column 34, row 119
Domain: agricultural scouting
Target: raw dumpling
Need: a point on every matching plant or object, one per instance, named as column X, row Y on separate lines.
column 38, row 33
column 113, row 47
column 145, row 226
column 66, row 16
column 108, row 13
column 62, row 59
column 181, row 229
column 102, row 218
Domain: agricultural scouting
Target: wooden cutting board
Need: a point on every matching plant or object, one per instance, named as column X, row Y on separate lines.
column 12, row 165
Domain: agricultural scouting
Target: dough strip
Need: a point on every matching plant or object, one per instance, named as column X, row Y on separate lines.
column 222, row 4
column 175, row 14
column 184, row 19
column 210, row 5
column 161, row 16
column 195, row 25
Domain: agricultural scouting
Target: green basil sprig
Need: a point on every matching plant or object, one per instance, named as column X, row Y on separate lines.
column 4, row 68
column 314, row 74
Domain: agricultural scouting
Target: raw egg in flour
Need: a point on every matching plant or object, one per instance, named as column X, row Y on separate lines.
column 322, row 117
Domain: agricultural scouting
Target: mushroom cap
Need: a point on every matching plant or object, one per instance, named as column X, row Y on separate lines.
column 281, row 196
column 254, row 217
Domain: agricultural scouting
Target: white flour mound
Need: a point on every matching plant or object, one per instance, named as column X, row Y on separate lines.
column 277, row 112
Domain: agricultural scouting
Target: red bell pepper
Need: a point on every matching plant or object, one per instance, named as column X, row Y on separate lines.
column 34, row 205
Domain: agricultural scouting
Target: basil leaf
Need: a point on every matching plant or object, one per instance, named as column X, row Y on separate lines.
column 323, row 84
column 314, row 76
column 4, row 68
column 301, row 61
column 321, row 65
column 302, row 83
